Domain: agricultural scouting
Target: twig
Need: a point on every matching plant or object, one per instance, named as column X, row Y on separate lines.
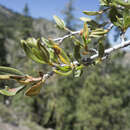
column 122, row 36
column 48, row 75
column 112, row 49
column 60, row 39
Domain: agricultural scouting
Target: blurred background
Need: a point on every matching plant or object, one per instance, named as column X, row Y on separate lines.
column 98, row 100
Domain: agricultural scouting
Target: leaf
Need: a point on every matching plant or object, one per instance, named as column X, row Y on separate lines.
column 77, row 55
column 127, row 22
column 47, row 42
column 99, row 31
column 95, row 36
column 4, row 77
column 100, row 49
column 114, row 16
column 126, row 16
column 77, row 73
column 76, row 41
column 44, row 52
column 31, row 54
column 123, row 3
column 60, row 23
column 64, row 68
column 91, row 13
column 12, row 91
column 103, row 2
column 85, row 33
column 32, row 42
column 65, row 56
column 61, row 54
column 85, row 19
column 9, row 70
column 62, row 73
column 34, row 90
column 62, row 59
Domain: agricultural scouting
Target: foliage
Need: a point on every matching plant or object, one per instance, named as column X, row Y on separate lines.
column 91, row 97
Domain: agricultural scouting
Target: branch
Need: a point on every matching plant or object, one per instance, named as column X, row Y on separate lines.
column 60, row 39
column 114, row 48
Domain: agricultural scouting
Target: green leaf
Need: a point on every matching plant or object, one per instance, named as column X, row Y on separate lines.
column 31, row 54
column 62, row 73
column 99, row 31
column 11, row 92
column 31, row 42
column 91, row 13
column 44, row 52
column 100, row 49
column 64, row 68
column 127, row 22
column 77, row 55
column 65, row 56
column 85, row 34
column 115, row 16
column 47, row 42
column 76, row 41
column 77, row 72
column 126, row 16
column 85, row 19
column 60, row 23
column 9, row 70
column 123, row 3
column 103, row 2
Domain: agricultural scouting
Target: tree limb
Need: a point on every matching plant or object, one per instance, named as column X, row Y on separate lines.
column 114, row 48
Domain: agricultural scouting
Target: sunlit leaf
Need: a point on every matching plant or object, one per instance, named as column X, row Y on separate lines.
column 92, row 12
column 31, row 54
column 85, row 33
column 4, row 77
column 64, row 68
column 123, row 3
column 85, row 19
column 60, row 23
column 32, row 42
column 99, row 31
column 103, row 2
column 77, row 73
column 47, row 42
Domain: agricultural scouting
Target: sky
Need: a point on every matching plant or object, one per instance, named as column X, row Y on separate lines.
column 48, row 8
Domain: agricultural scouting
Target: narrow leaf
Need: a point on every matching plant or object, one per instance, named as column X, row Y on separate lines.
column 9, row 70
column 92, row 12
column 63, row 73
column 100, row 49
column 30, row 54
column 123, row 3
column 60, row 23
column 77, row 55
column 44, row 52
column 12, row 91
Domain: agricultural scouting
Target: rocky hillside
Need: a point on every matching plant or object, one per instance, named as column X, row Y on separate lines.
column 10, row 31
